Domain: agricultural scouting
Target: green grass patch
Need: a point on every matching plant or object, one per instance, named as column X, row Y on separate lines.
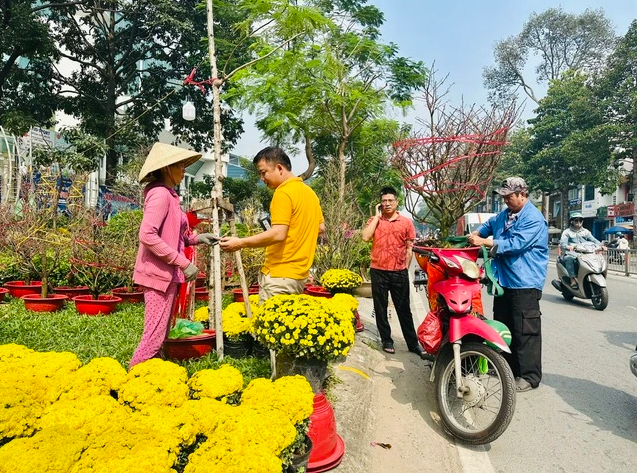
column 115, row 335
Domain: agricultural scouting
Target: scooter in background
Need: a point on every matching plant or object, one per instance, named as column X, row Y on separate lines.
column 591, row 276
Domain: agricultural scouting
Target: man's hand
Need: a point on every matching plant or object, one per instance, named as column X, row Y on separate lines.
column 476, row 240
column 230, row 243
column 379, row 210
column 207, row 239
column 190, row 272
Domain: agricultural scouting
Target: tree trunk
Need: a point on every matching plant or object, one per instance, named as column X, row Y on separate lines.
column 545, row 205
column 341, row 168
column 564, row 207
column 217, row 189
column 634, row 199
column 311, row 162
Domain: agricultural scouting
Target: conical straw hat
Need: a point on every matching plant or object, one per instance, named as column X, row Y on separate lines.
column 163, row 155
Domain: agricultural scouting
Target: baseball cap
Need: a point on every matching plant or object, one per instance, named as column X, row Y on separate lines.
column 512, row 185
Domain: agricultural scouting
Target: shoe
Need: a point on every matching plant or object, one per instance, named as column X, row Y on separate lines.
column 574, row 284
column 389, row 348
column 522, row 385
column 418, row 351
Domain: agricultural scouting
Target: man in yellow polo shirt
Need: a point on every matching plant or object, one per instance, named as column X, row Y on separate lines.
column 297, row 221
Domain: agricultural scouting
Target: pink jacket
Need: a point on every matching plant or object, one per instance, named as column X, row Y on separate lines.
column 160, row 256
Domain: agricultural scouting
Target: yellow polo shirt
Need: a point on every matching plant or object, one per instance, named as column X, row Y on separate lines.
column 296, row 205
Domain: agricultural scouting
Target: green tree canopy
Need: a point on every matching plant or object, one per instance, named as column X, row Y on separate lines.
column 562, row 41
column 570, row 141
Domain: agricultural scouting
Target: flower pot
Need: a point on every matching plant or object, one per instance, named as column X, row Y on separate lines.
column 314, row 370
column 134, row 296
column 237, row 349
column 238, row 293
column 364, row 290
column 259, row 350
column 17, row 289
column 191, row 347
column 105, row 304
column 3, row 292
column 327, row 446
column 318, row 291
column 201, row 294
column 51, row 303
column 71, row 291
column 201, row 280
column 300, row 460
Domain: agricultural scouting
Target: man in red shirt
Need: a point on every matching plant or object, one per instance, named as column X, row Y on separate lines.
column 393, row 236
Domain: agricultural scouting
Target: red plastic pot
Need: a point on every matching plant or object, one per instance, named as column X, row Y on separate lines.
column 17, row 289
column 136, row 295
column 201, row 280
column 105, row 304
column 71, row 291
column 3, row 291
column 318, row 291
column 238, row 293
column 327, row 446
column 192, row 347
column 201, row 294
column 51, row 303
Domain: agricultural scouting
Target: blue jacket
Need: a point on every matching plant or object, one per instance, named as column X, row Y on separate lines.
column 522, row 258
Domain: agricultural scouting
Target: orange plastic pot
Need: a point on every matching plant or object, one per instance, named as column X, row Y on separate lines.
column 192, row 347
column 105, row 304
column 51, row 303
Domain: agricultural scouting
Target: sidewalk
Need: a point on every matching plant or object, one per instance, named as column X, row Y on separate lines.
column 383, row 398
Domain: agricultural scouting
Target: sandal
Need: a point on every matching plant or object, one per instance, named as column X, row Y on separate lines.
column 389, row 348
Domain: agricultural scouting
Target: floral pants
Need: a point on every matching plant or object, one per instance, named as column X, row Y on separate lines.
column 157, row 315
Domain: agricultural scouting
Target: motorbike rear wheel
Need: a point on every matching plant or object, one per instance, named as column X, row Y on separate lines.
column 486, row 409
column 600, row 297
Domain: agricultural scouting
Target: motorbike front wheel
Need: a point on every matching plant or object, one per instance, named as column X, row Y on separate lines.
column 600, row 297
column 486, row 409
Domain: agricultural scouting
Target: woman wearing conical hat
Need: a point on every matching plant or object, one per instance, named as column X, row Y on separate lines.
column 161, row 265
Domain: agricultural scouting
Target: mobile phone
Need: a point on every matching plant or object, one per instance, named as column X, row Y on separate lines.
column 378, row 208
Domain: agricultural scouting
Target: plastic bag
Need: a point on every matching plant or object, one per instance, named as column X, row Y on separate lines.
column 430, row 333
column 185, row 328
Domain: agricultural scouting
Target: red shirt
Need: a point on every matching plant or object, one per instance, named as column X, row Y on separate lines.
column 390, row 242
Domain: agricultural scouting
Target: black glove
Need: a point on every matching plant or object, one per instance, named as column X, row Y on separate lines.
column 207, row 239
column 190, row 272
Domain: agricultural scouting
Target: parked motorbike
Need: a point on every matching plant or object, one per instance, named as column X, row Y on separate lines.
column 475, row 388
column 633, row 363
column 591, row 269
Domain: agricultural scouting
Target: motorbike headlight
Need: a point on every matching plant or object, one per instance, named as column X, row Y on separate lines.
column 469, row 268
column 450, row 263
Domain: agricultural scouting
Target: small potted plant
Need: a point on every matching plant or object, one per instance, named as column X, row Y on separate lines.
column 340, row 280
column 237, row 327
column 123, row 229
column 306, row 332
column 92, row 260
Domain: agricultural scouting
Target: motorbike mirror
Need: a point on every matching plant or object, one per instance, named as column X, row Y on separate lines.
column 492, row 251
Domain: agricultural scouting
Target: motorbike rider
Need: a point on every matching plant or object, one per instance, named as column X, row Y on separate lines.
column 574, row 235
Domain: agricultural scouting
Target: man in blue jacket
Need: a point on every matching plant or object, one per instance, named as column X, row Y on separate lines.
column 521, row 234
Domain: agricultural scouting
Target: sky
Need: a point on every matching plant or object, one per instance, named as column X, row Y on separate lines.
column 459, row 36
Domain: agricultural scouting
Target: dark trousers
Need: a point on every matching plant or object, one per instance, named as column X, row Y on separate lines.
column 519, row 309
column 570, row 263
column 396, row 283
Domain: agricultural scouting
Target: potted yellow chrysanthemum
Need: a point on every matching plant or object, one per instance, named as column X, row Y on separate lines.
column 340, row 280
column 305, row 332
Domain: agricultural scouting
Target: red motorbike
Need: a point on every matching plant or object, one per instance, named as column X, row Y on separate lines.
column 475, row 388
